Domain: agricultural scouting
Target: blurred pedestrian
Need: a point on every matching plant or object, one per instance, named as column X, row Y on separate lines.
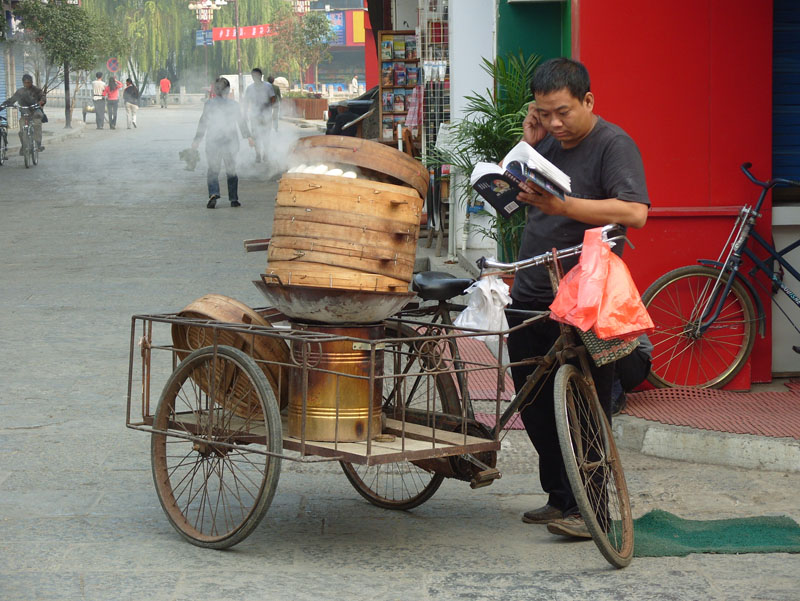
column 218, row 124
column 165, row 85
column 98, row 85
column 276, row 107
column 259, row 99
column 131, row 98
column 111, row 93
column 354, row 85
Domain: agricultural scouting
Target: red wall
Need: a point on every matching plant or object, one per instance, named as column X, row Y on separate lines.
column 691, row 82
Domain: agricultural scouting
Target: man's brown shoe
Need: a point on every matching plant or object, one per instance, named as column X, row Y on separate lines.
column 572, row 525
column 542, row 515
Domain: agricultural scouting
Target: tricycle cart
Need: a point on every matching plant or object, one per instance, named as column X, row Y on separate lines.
column 389, row 401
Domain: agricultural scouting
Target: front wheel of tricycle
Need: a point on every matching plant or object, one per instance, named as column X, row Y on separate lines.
column 216, row 419
column 593, row 465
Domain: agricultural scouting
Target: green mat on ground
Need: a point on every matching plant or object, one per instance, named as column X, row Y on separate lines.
column 662, row 534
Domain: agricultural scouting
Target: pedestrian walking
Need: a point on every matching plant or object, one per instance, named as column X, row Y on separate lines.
column 218, row 125
column 131, row 98
column 111, row 94
column 98, row 85
column 165, row 85
column 259, row 99
column 276, row 107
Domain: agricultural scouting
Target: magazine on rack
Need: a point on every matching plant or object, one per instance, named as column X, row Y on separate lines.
column 499, row 184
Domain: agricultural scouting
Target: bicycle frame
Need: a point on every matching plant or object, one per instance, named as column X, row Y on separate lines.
column 743, row 230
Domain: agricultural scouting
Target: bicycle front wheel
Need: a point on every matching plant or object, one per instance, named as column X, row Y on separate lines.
column 681, row 356
column 593, row 465
column 405, row 484
column 26, row 155
column 34, row 153
column 3, row 147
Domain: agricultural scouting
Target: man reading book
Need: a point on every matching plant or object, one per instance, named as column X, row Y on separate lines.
column 607, row 186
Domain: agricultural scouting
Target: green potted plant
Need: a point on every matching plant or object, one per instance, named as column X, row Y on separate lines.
column 491, row 126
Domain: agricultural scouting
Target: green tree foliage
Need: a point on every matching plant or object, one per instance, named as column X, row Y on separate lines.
column 65, row 32
column 317, row 35
column 162, row 37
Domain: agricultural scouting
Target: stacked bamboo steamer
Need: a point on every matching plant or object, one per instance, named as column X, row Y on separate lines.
column 357, row 233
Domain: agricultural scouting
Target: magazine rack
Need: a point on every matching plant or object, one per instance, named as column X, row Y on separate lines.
column 400, row 74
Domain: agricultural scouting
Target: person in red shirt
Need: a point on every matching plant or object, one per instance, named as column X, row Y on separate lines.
column 165, row 85
column 111, row 94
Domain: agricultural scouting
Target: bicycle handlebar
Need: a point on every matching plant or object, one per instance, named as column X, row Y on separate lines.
column 548, row 257
column 769, row 184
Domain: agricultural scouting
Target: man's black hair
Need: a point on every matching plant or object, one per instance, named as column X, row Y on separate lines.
column 558, row 74
column 27, row 77
column 221, row 86
column 271, row 79
column 256, row 70
column 98, row 74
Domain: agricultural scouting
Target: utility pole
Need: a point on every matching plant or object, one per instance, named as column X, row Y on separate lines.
column 238, row 51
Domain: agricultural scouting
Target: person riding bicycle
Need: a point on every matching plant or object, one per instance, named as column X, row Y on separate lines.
column 608, row 186
column 28, row 95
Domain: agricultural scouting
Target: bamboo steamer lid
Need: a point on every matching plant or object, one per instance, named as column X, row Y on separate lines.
column 350, row 197
column 301, row 273
column 187, row 338
column 365, row 154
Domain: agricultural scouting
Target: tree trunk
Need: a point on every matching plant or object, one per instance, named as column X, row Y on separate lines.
column 67, row 99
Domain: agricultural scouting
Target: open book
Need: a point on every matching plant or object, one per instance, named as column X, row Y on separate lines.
column 499, row 184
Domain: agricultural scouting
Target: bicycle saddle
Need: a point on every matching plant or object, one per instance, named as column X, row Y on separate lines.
column 438, row 285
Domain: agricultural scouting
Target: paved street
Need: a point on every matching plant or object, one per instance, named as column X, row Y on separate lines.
column 110, row 224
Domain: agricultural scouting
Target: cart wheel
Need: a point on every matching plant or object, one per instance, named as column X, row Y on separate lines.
column 405, row 485
column 593, row 465
column 213, row 494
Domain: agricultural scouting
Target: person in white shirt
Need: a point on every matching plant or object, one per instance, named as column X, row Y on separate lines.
column 354, row 85
column 98, row 85
column 259, row 99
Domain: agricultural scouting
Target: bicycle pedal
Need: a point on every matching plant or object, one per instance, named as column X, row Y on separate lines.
column 796, row 349
column 485, row 478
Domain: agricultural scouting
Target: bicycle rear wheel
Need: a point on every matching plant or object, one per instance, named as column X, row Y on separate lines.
column 3, row 147
column 681, row 357
column 593, row 465
column 405, row 484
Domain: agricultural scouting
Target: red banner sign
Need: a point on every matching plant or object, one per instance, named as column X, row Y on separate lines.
column 250, row 31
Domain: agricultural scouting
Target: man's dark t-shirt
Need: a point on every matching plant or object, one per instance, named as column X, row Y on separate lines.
column 606, row 164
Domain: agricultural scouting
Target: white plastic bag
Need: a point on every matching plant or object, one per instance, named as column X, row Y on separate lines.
column 488, row 298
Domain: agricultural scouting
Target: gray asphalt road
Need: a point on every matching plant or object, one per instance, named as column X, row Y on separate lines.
column 108, row 225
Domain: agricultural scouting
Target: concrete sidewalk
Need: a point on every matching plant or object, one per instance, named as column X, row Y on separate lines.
column 53, row 132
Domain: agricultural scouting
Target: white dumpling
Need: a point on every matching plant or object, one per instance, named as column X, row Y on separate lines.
column 320, row 169
column 310, row 169
column 334, row 172
column 350, row 174
column 297, row 169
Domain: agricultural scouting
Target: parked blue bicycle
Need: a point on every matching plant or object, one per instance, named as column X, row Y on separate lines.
column 706, row 315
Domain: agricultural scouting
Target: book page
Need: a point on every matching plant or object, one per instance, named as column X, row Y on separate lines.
column 527, row 155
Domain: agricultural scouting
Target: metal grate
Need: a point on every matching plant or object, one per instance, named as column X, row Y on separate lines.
column 771, row 413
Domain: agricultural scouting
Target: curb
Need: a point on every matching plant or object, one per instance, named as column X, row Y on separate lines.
column 55, row 137
column 683, row 443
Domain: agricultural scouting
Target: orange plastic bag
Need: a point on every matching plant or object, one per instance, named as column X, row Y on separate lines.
column 599, row 294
